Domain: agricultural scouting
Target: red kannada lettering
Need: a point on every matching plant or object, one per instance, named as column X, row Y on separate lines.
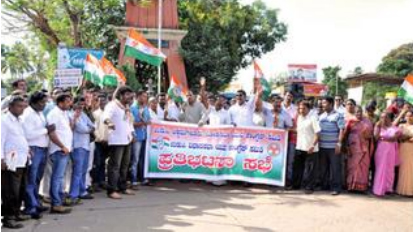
column 167, row 161
column 262, row 165
column 180, row 159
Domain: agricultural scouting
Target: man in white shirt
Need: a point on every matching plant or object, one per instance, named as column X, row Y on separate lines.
column 153, row 110
column 289, row 106
column 19, row 86
column 14, row 158
column 161, row 105
column 291, row 109
column 59, row 150
column 37, row 134
column 338, row 104
column 242, row 112
column 305, row 161
column 101, row 146
column 216, row 114
column 118, row 118
column 172, row 111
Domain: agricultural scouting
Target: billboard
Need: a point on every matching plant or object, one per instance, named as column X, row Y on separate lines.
column 74, row 58
column 302, row 72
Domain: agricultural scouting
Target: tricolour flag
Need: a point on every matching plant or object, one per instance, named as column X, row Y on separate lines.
column 263, row 83
column 139, row 48
column 93, row 70
column 406, row 90
column 176, row 90
column 112, row 76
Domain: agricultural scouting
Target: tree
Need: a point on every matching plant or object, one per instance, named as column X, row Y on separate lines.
column 76, row 23
column 225, row 36
column 358, row 70
column 398, row 62
column 377, row 91
column 330, row 79
column 15, row 59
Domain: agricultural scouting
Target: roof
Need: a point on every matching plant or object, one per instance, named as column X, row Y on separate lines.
column 374, row 77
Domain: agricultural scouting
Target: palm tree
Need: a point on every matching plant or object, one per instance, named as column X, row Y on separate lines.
column 16, row 60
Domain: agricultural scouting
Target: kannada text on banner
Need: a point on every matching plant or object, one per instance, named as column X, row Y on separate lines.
column 256, row 155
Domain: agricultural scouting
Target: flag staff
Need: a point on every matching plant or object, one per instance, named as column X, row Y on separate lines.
column 159, row 40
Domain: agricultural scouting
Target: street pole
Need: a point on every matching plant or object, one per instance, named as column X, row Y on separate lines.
column 337, row 85
column 159, row 41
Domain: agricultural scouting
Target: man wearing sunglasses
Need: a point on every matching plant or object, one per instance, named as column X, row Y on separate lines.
column 338, row 104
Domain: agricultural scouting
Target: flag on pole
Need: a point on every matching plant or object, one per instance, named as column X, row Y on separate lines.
column 112, row 75
column 263, row 83
column 93, row 70
column 176, row 90
column 406, row 90
column 139, row 48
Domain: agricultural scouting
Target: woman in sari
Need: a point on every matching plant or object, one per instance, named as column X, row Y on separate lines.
column 405, row 184
column 360, row 134
column 350, row 110
column 386, row 157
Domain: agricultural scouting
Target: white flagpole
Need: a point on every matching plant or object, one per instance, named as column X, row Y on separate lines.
column 159, row 40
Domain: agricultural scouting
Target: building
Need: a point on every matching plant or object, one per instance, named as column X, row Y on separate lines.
column 144, row 18
column 357, row 82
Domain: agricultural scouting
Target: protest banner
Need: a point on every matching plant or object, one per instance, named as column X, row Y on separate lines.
column 183, row 151
column 302, row 72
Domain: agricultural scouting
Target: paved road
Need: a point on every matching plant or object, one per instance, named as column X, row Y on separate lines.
column 172, row 206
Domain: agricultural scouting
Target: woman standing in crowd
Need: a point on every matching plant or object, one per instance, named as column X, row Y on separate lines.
column 371, row 112
column 405, row 183
column 386, row 157
column 350, row 110
column 359, row 131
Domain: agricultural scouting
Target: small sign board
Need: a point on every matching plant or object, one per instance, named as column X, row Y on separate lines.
column 67, row 78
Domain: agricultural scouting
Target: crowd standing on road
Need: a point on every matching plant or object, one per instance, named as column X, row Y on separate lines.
column 60, row 149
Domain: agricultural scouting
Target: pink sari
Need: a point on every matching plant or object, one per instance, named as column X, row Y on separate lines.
column 386, row 160
column 360, row 152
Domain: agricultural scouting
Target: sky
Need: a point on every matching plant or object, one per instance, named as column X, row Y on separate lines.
column 348, row 33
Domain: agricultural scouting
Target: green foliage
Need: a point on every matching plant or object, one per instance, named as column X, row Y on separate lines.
column 76, row 23
column 377, row 91
column 330, row 79
column 225, row 36
column 15, row 59
column 358, row 70
column 130, row 75
column 398, row 62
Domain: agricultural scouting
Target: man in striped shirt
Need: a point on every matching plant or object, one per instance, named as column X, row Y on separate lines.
column 331, row 136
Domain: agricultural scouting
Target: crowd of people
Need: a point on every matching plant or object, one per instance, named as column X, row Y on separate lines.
column 61, row 148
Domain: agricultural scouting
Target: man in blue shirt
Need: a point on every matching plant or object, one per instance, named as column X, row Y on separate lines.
column 331, row 136
column 82, row 128
column 141, row 117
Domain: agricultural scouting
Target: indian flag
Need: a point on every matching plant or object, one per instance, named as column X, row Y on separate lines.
column 112, row 75
column 406, row 90
column 263, row 83
column 139, row 48
column 176, row 90
column 93, row 70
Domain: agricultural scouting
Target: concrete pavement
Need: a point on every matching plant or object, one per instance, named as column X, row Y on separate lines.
column 172, row 206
